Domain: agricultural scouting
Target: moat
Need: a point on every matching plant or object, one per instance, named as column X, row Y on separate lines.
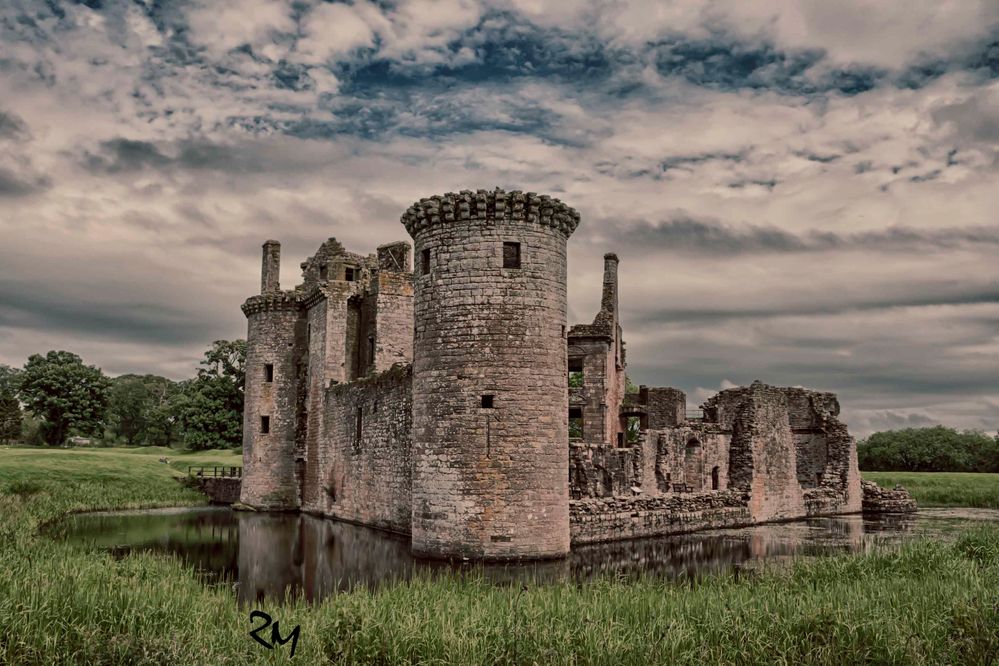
column 261, row 555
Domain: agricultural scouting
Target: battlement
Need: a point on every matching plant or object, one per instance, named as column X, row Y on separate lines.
column 271, row 302
column 495, row 205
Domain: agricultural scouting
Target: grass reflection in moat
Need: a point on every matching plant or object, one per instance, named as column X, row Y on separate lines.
column 263, row 555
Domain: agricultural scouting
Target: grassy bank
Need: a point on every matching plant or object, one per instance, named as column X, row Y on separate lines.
column 928, row 602
column 944, row 488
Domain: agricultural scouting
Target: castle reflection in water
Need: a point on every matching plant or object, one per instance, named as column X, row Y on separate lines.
column 271, row 554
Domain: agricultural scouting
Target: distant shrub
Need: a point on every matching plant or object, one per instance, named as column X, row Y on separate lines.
column 936, row 449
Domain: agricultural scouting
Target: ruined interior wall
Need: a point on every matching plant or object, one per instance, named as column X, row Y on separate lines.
column 763, row 457
column 592, row 396
column 615, row 392
column 600, row 470
column 666, row 407
column 368, row 479
column 367, row 332
column 812, row 452
column 676, row 462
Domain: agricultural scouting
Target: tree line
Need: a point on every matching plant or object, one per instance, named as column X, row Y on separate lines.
column 57, row 396
column 936, row 449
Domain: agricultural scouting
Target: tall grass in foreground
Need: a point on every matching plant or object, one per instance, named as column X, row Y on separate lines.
column 944, row 488
column 924, row 603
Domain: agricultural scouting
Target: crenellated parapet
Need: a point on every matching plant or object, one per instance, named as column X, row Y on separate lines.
column 280, row 301
column 491, row 205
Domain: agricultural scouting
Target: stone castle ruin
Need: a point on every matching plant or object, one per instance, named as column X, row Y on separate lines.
column 451, row 402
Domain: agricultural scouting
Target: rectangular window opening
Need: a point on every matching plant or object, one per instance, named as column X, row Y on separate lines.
column 425, row 262
column 633, row 428
column 487, row 401
column 268, row 372
column 349, row 274
column 511, row 255
column 575, row 372
column 265, row 425
column 575, row 423
column 324, row 272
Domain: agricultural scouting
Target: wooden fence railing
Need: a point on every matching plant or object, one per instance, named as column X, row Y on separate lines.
column 217, row 471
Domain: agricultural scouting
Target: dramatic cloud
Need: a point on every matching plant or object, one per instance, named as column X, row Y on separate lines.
column 800, row 192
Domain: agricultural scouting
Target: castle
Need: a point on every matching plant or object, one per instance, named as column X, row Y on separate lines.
column 451, row 402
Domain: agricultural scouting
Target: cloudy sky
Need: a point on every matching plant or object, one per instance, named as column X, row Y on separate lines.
column 800, row 192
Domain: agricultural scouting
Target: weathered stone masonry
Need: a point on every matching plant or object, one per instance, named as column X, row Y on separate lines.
column 451, row 402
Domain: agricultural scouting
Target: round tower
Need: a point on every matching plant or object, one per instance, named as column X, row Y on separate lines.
column 271, row 391
column 490, row 404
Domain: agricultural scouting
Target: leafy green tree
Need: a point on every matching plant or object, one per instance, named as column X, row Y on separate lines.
column 128, row 408
column 163, row 420
column 9, row 378
column 936, row 449
column 10, row 406
column 10, row 416
column 211, row 409
column 64, row 393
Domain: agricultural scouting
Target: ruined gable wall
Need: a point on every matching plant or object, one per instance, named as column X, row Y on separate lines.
column 368, row 479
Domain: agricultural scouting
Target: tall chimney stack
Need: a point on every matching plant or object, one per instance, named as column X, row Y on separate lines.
column 270, row 273
column 608, row 302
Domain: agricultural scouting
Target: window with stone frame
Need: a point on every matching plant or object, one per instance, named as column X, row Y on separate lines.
column 268, row 372
column 511, row 255
column 265, row 425
column 425, row 262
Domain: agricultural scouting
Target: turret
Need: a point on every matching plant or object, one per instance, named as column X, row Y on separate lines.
column 490, row 409
column 274, row 339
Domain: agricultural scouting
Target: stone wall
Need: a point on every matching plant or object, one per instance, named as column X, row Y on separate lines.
column 667, row 407
column 220, row 490
column 490, row 406
column 609, row 519
column 693, row 455
column 393, row 298
column 600, row 470
column 882, row 500
column 363, row 466
column 763, row 458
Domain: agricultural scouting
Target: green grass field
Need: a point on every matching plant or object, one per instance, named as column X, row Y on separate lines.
column 944, row 488
column 924, row 603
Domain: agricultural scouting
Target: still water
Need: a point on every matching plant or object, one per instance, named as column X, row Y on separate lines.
column 263, row 555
